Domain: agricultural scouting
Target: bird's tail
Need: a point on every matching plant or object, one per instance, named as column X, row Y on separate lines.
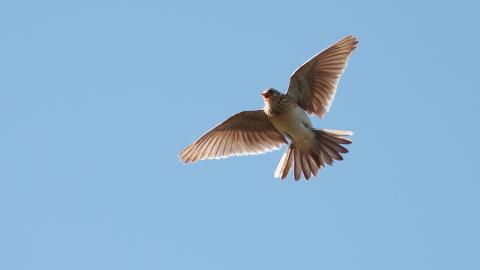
column 328, row 148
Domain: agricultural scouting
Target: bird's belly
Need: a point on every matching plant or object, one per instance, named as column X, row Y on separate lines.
column 295, row 124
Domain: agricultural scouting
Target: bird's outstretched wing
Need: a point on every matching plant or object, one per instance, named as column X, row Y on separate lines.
column 245, row 133
column 314, row 84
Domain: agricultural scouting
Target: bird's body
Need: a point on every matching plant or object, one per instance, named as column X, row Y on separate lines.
column 290, row 120
column 284, row 116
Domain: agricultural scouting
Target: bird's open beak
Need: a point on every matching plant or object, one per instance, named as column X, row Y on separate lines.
column 265, row 95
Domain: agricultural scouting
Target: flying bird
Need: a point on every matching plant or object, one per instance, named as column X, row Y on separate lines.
column 284, row 120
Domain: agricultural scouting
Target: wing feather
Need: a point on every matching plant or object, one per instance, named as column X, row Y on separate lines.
column 314, row 84
column 246, row 133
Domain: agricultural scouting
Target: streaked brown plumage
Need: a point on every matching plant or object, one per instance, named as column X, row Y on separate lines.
column 312, row 89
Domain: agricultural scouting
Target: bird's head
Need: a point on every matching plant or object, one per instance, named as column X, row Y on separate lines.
column 270, row 95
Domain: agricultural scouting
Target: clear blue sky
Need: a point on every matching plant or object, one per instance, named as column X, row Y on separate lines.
column 98, row 97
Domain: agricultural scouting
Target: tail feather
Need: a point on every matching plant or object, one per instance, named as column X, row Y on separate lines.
column 325, row 157
column 285, row 163
column 341, row 133
column 329, row 148
column 313, row 166
column 297, row 170
column 306, row 166
column 334, row 145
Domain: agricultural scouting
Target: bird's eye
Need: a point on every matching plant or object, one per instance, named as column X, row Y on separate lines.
column 270, row 91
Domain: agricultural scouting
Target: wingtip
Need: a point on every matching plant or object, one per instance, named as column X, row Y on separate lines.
column 184, row 158
column 352, row 39
column 351, row 36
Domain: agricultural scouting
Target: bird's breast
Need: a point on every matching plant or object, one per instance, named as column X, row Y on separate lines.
column 295, row 124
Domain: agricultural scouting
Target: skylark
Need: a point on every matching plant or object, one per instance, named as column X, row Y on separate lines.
column 284, row 120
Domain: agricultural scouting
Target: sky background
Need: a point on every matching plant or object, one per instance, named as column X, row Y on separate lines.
column 98, row 97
